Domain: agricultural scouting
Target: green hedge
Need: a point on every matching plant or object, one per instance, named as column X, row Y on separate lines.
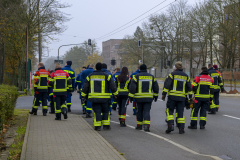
column 8, row 99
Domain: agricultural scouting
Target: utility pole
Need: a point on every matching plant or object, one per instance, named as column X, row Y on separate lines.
column 142, row 54
column 190, row 72
column 39, row 35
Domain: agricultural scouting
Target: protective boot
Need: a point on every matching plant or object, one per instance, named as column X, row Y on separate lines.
column 106, row 127
column 88, row 115
column 181, row 130
column 139, row 127
column 64, row 112
column 170, row 128
column 58, row 116
column 34, row 111
column 146, row 128
column 52, row 109
column 97, row 128
column 202, row 127
column 69, row 108
column 44, row 112
column 122, row 123
column 84, row 111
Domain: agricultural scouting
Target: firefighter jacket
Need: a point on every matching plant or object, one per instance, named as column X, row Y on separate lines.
column 41, row 80
column 216, row 79
column 84, row 75
column 203, row 87
column 60, row 80
column 71, row 73
column 123, row 88
column 143, row 87
column 97, row 87
column 220, row 74
column 134, row 73
column 115, row 75
column 177, row 85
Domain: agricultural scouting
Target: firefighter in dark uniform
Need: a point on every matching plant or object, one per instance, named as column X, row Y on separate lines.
column 215, row 67
column 134, row 102
column 178, row 85
column 41, row 89
column 123, row 83
column 115, row 75
column 144, row 89
column 50, row 96
column 203, row 89
column 218, row 85
column 71, row 73
column 97, row 87
column 60, row 81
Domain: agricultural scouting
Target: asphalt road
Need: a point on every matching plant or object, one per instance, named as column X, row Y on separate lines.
column 221, row 137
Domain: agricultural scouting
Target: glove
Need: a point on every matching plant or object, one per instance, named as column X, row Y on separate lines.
column 191, row 101
column 155, row 98
column 71, row 90
column 222, row 89
column 131, row 99
column 163, row 97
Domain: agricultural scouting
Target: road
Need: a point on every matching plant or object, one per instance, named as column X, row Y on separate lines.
column 221, row 137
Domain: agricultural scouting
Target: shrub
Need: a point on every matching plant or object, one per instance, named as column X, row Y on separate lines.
column 8, row 99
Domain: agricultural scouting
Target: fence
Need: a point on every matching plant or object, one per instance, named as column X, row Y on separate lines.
column 16, row 76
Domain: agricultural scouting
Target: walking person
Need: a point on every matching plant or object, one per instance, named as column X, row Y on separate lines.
column 60, row 81
column 97, row 87
column 144, row 89
column 122, row 82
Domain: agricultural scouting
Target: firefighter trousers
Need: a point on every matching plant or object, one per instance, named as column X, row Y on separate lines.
column 203, row 106
column 43, row 96
column 69, row 98
column 179, row 105
column 104, row 109
column 143, row 113
column 122, row 101
column 60, row 105
column 215, row 105
column 114, row 105
column 134, row 106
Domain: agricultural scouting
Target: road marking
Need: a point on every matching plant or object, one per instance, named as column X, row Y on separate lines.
column 127, row 115
column 175, row 144
column 160, row 100
column 231, row 117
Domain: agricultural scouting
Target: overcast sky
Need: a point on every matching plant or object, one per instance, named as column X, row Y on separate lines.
column 96, row 18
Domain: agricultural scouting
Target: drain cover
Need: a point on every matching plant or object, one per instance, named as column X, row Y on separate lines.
column 224, row 157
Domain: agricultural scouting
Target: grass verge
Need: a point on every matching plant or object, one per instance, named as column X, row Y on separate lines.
column 20, row 119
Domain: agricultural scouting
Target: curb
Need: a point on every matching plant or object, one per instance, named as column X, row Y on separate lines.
column 104, row 140
column 24, row 147
column 229, row 95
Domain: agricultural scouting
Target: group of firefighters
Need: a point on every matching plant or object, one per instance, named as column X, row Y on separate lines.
column 101, row 92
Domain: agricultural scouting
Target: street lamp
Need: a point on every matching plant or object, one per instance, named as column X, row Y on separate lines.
column 89, row 43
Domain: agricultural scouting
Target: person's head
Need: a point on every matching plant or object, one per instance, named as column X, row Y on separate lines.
column 215, row 66
column 58, row 65
column 91, row 66
column 69, row 63
column 178, row 65
column 174, row 68
column 84, row 68
column 123, row 75
column 143, row 67
column 210, row 65
column 40, row 64
column 204, row 69
column 99, row 66
column 104, row 66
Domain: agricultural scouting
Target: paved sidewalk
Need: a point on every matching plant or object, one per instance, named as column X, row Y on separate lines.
column 72, row 139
